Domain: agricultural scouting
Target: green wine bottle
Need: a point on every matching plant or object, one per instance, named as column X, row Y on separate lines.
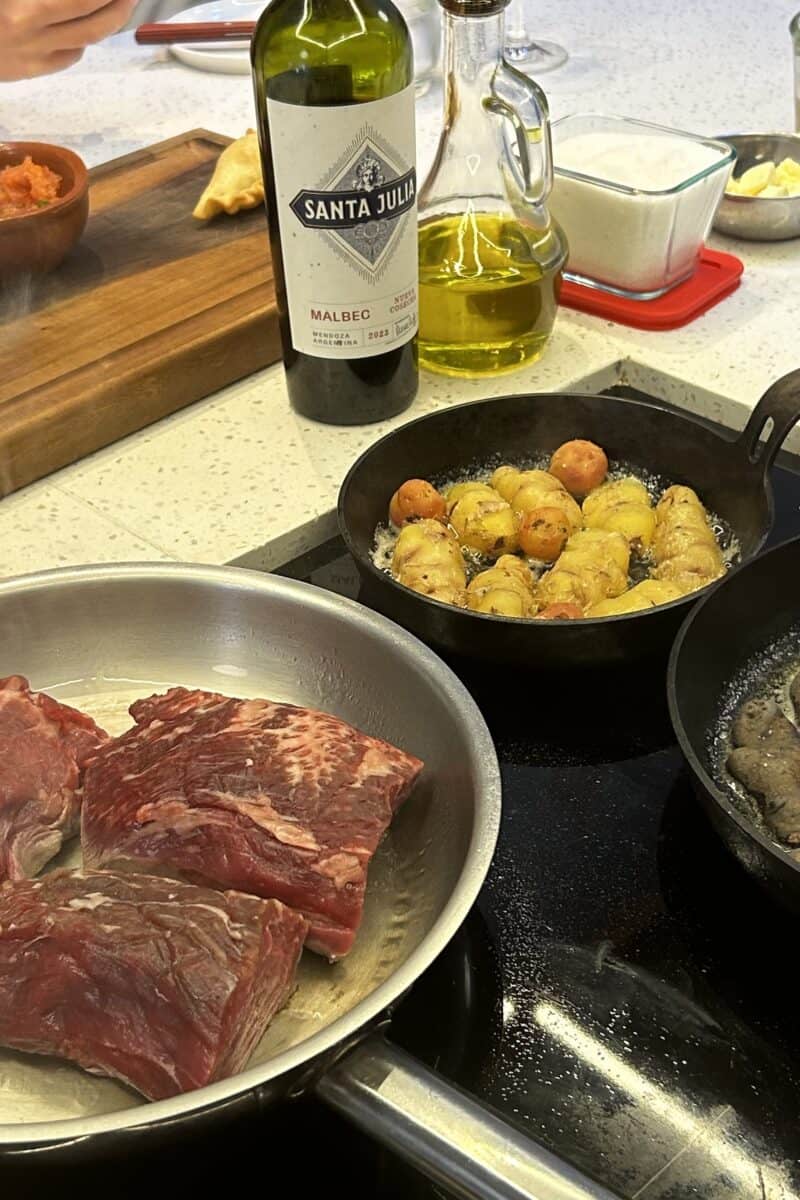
column 335, row 100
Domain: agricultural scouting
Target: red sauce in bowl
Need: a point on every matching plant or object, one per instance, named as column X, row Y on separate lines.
column 27, row 187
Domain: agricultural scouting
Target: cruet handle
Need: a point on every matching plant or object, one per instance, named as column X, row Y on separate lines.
column 522, row 104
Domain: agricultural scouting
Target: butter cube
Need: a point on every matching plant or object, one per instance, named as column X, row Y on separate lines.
column 787, row 172
column 754, row 180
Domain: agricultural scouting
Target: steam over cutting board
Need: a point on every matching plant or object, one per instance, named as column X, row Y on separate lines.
column 152, row 311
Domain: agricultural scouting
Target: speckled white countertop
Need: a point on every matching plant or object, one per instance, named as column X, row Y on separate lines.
column 238, row 477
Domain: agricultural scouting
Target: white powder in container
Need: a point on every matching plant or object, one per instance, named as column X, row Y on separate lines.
column 638, row 201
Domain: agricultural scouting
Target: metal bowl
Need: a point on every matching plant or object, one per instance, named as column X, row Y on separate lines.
column 771, row 219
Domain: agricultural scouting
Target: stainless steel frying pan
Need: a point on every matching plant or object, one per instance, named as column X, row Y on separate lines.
column 100, row 636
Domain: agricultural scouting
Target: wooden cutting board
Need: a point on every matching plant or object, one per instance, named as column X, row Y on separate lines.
column 151, row 311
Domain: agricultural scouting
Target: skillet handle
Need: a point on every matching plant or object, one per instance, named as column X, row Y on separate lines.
column 443, row 1132
column 779, row 404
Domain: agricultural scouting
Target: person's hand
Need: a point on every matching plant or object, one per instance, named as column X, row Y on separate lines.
column 41, row 36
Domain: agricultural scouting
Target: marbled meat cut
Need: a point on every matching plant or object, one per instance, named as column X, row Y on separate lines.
column 162, row 984
column 43, row 747
column 248, row 794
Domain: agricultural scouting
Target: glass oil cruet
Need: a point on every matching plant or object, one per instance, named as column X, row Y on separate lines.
column 490, row 256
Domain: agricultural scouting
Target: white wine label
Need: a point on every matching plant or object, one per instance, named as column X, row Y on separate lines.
column 346, row 190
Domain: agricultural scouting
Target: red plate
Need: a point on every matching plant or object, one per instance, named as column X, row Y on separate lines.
column 717, row 275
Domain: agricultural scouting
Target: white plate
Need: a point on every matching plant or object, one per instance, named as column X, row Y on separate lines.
column 222, row 58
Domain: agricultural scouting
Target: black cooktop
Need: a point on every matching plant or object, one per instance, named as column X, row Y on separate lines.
column 622, row 991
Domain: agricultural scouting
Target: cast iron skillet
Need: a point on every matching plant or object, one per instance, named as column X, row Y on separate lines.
column 729, row 631
column 730, row 474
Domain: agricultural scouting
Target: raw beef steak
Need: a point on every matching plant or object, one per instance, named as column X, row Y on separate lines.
column 43, row 747
column 162, row 984
column 248, row 794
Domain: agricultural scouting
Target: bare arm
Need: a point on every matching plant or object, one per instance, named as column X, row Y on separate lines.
column 38, row 37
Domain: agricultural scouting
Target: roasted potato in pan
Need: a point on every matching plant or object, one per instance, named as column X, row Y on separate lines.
column 518, row 544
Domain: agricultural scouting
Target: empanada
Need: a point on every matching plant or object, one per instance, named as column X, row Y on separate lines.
column 237, row 181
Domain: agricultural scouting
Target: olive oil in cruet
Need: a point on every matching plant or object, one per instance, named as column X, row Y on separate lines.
column 490, row 256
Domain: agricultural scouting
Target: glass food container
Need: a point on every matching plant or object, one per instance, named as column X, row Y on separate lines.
column 635, row 200
column 490, row 257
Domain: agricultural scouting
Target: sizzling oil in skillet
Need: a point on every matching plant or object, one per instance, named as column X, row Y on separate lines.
column 641, row 564
column 755, row 745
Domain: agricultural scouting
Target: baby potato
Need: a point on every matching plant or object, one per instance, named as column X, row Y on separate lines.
column 416, row 499
column 688, row 581
column 626, row 603
column 658, row 591
column 647, row 594
column 622, row 506
column 485, row 522
column 694, row 567
column 599, row 546
column 502, row 575
column 685, row 548
column 573, row 585
column 593, row 566
column 560, row 587
column 505, row 480
column 636, row 522
column 543, row 533
column 454, row 493
column 560, row 612
column 427, row 558
column 683, row 532
column 516, row 567
column 628, row 490
column 596, row 585
column 501, row 601
column 675, row 495
column 531, row 496
column 580, row 465
column 508, row 481
column 505, row 589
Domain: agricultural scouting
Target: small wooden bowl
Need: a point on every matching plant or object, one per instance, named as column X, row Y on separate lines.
column 38, row 241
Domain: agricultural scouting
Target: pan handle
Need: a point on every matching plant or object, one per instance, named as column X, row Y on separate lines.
column 780, row 404
column 443, row 1132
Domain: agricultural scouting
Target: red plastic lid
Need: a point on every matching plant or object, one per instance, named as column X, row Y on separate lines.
column 717, row 275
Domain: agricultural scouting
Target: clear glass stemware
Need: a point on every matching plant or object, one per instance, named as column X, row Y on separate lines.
column 526, row 52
